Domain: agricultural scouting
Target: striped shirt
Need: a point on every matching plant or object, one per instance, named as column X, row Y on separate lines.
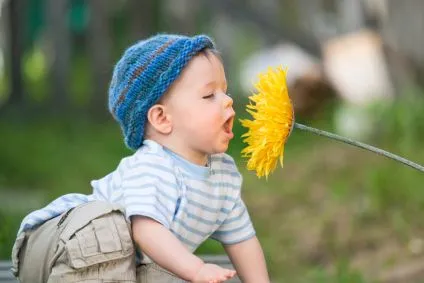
column 194, row 202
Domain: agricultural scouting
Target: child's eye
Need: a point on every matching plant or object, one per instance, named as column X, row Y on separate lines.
column 209, row 96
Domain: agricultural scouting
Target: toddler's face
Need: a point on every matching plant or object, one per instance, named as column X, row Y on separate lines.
column 202, row 112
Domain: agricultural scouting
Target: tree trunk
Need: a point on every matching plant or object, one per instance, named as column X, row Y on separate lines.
column 100, row 45
column 144, row 17
column 16, row 17
column 402, row 30
column 59, row 36
column 181, row 16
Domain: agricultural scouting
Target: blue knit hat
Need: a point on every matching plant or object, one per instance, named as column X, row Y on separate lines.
column 144, row 74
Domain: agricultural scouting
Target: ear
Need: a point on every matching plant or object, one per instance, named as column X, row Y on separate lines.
column 159, row 119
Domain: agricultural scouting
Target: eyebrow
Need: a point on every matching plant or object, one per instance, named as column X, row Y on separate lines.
column 210, row 83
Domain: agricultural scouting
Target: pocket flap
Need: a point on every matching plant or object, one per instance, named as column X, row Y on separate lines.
column 87, row 241
column 100, row 241
column 107, row 235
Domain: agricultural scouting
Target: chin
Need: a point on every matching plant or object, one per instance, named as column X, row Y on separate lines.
column 221, row 148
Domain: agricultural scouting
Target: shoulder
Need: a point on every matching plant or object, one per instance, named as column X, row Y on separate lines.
column 150, row 160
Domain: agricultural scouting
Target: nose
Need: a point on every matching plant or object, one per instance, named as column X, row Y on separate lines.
column 228, row 101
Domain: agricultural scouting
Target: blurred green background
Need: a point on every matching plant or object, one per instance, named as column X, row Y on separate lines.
column 334, row 213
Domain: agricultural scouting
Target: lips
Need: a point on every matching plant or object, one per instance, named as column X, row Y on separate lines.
column 228, row 126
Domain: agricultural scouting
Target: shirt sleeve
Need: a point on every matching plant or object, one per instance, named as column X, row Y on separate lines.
column 150, row 189
column 237, row 227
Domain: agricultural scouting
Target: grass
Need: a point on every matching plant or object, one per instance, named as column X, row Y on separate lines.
column 333, row 214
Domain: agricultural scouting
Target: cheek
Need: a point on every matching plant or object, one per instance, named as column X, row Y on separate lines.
column 192, row 115
column 211, row 120
column 201, row 118
column 183, row 114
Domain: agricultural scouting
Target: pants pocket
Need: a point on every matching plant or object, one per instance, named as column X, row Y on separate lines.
column 101, row 250
column 100, row 241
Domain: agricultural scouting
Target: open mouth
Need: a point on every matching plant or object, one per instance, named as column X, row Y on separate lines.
column 228, row 125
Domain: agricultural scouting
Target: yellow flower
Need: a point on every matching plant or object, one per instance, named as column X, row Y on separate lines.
column 273, row 120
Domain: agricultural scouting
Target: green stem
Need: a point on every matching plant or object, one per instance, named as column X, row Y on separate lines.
column 360, row 145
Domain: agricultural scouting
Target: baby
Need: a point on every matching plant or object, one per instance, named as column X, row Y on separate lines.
column 145, row 219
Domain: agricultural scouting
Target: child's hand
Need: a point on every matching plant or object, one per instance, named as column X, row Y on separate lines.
column 211, row 273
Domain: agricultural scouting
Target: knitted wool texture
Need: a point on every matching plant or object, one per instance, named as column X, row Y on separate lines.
column 144, row 74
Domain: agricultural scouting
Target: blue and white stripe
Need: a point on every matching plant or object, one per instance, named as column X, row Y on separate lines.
column 194, row 202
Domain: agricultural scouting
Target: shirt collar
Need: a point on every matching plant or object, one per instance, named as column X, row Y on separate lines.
column 190, row 168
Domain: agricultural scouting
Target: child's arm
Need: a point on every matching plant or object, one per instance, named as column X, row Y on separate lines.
column 248, row 259
column 166, row 250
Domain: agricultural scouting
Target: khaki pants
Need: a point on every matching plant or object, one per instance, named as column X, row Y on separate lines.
column 90, row 243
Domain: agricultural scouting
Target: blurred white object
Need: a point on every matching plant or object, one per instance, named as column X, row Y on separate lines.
column 355, row 66
column 308, row 88
column 298, row 62
column 354, row 121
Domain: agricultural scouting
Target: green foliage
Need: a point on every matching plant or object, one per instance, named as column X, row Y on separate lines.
column 35, row 74
column 343, row 274
column 4, row 87
column 325, row 217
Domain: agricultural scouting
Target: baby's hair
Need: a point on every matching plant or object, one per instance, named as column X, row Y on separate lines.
column 206, row 52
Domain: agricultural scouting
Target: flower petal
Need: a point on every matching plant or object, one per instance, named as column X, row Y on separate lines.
column 273, row 118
